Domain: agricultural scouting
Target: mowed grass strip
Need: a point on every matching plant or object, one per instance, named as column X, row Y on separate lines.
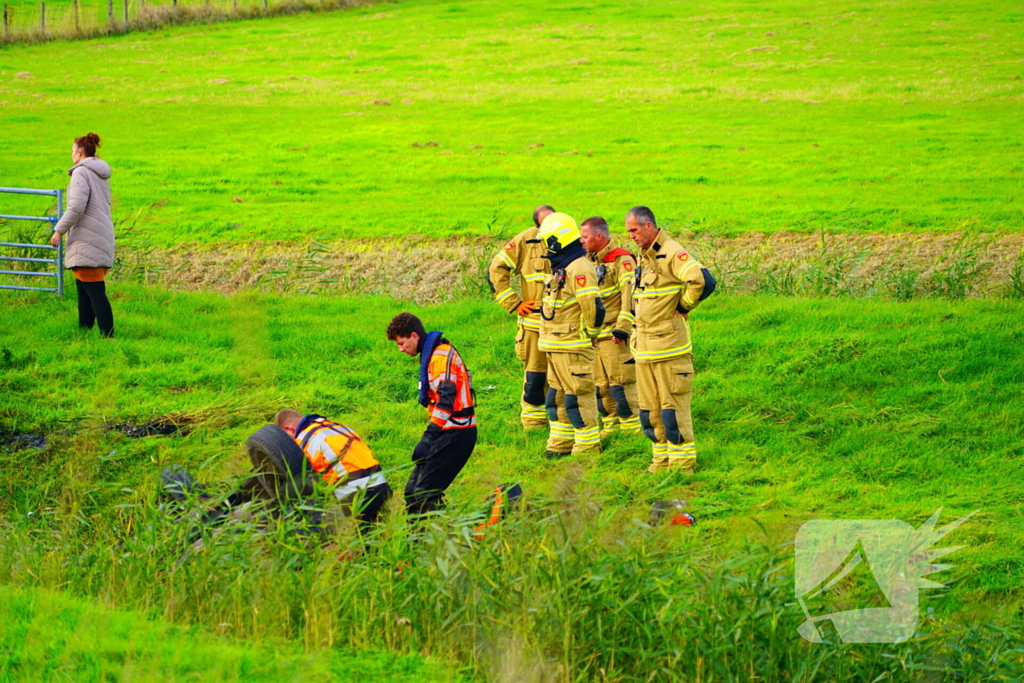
column 440, row 117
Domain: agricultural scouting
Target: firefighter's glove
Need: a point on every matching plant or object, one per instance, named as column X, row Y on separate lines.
column 527, row 308
column 620, row 335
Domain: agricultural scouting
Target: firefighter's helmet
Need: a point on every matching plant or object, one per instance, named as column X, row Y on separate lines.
column 558, row 231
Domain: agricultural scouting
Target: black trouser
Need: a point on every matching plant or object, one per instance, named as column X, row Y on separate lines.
column 93, row 307
column 435, row 473
column 371, row 504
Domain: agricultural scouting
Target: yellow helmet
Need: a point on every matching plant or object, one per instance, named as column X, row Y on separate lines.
column 558, row 231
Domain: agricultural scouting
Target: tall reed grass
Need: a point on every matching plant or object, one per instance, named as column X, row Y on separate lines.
column 568, row 589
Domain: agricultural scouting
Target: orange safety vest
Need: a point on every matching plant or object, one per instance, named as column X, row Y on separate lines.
column 338, row 455
column 451, row 402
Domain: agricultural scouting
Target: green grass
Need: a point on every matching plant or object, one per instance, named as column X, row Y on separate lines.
column 805, row 409
column 888, row 117
column 50, row 636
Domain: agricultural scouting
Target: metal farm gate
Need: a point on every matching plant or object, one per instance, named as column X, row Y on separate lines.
column 58, row 262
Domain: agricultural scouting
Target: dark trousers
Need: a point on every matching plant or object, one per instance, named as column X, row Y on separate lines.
column 371, row 504
column 93, row 307
column 435, row 472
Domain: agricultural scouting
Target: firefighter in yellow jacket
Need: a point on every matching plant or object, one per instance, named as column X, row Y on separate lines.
column 525, row 255
column 571, row 318
column 614, row 367
column 669, row 284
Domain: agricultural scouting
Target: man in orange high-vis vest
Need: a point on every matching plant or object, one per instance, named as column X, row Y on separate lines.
column 446, row 391
column 343, row 460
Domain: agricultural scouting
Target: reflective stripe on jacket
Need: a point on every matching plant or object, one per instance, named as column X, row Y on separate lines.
column 522, row 256
column 616, row 287
column 669, row 285
column 450, row 391
column 569, row 310
column 338, row 455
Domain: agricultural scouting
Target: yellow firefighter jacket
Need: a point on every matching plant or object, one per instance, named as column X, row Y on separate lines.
column 523, row 255
column 669, row 285
column 616, row 270
column 569, row 311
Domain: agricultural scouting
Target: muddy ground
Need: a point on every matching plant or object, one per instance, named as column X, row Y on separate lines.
column 428, row 271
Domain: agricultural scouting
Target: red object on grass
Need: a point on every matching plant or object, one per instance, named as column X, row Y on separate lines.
column 682, row 519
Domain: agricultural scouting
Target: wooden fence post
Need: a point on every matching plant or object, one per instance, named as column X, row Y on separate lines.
column 74, row 8
column 110, row 13
column 42, row 17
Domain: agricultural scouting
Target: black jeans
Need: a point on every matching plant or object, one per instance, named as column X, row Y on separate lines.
column 435, row 473
column 93, row 307
column 372, row 503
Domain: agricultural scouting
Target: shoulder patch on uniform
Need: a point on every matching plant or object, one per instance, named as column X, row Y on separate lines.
column 581, row 280
column 511, row 246
column 627, row 266
column 683, row 256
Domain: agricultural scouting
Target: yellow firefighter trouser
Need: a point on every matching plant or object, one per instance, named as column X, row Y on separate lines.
column 534, row 387
column 572, row 403
column 615, row 377
column 665, row 411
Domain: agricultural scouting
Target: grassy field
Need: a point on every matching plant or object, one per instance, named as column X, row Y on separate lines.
column 305, row 168
column 49, row 636
column 738, row 117
column 805, row 409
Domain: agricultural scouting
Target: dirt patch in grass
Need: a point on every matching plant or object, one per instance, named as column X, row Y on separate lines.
column 15, row 441
column 166, row 427
column 427, row 270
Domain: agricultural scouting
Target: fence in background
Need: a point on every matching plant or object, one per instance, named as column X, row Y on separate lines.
column 58, row 271
column 68, row 19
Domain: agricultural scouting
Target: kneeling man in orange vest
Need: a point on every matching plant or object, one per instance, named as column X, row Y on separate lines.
column 344, row 461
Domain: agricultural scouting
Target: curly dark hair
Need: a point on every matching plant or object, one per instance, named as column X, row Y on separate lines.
column 403, row 325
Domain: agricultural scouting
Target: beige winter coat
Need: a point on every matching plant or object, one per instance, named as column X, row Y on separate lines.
column 87, row 222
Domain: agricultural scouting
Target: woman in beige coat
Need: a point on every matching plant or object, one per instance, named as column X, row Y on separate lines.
column 90, row 230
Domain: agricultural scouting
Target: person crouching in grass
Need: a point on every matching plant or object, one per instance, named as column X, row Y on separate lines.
column 344, row 461
column 446, row 391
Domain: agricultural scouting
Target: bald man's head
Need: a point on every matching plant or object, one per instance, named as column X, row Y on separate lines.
column 542, row 212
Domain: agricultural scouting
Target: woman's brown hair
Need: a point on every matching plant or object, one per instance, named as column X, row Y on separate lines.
column 88, row 144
